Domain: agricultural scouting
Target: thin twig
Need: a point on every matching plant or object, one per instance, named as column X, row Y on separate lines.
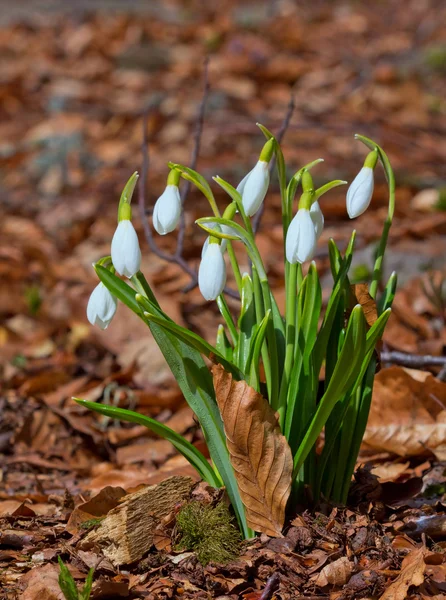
column 271, row 585
column 172, row 258
column 195, row 152
column 414, row 361
column 177, row 257
column 280, row 134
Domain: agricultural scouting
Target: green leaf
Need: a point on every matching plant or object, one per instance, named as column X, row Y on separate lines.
column 345, row 372
column 86, row 590
column 234, row 231
column 194, row 456
column 253, row 359
column 386, row 299
column 195, row 381
column 198, row 180
column 194, row 341
column 246, row 322
column 223, row 344
column 66, row 582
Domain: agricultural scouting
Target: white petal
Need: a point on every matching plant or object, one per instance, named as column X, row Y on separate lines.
column 167, row 210
column 241, row 185
column 255, row 188
column 224, row 242
column 301, row 238
column 318, row 218
column 212, row 273
column 360, row 192
column 125, row 252
column 101, row 306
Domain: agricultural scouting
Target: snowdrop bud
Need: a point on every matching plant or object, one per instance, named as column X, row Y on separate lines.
column 253, row 187
column 212, row 272
column 360, row 192
column 101, row 306
column 301, row 238
column 125, row 252
column 223, row 242
column 318, row 218
column 167, row 210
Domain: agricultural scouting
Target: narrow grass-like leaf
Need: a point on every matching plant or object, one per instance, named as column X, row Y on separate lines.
column 223, row 345
column 194, row 341
column 66, row 582
column 346, row 369
column 194, row 456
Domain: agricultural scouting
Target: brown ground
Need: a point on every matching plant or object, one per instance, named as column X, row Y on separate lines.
column 74, row 87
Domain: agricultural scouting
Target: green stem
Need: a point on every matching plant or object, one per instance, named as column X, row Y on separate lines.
column 226, row 314
column 272, row 347
column 290, row 320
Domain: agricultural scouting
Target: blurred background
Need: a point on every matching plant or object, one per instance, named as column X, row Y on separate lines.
column 77, row 79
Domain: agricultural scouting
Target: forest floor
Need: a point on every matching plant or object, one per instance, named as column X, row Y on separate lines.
column 74, row 90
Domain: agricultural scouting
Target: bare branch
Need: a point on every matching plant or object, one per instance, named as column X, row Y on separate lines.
column 280, row 135
column 195, row 153
column 142, row 208
column 415, row 361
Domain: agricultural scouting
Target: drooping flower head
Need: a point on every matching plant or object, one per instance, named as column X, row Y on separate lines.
column 359, row 194
column 301, row 237
column 212, row 272
column 254, row 185
column 101, row 306
column 167, row 210
column 125, row 251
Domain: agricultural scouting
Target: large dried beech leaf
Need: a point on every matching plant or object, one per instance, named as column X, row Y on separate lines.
column 412, row 573
column 408, row 440
column 259, row 453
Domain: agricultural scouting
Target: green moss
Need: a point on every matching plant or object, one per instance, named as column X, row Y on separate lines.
column 209, row 531
column 91, row 523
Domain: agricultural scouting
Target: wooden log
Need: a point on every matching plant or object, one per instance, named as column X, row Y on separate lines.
column 126, row 533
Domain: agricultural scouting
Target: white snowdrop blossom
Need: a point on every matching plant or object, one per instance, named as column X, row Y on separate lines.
column 301, row 238
column 125, row 252
column 360, row 192
column 212, row 272
column 318, row 219
column 167, row 210
column 101, row 306
column 224, row 242
column 253, row 187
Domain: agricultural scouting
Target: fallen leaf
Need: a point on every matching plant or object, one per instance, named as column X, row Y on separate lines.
column 412, row 573
column 335, row 573
column 361, row 294
column 42, row 584
column 259, row 453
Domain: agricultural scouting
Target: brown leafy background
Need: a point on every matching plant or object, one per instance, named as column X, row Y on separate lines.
column 75, row 81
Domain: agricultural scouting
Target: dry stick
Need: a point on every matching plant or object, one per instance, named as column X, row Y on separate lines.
column 177, row 257
column 195, row 153
column 283, row 129
column 172, row 258
column 271, row 585
column 416, row 361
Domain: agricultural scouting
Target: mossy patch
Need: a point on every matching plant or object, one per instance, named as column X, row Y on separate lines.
column 209, row 531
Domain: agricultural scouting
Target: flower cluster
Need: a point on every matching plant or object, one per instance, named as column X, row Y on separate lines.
column 302, row 235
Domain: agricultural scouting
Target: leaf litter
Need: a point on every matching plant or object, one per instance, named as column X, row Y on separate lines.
column 73, row 89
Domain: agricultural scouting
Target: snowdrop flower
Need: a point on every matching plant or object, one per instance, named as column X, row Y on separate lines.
column 360, row 192
column 212, row 272
column 125, row 252
column 253, row 187
column 167, row 210
column 101, row 307
column 301, row 237
column 223, row 242
column 318, row 218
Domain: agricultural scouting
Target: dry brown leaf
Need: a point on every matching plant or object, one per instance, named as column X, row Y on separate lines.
column 412, row 573
column 409, row 440
column 258, row 451
column 361, row 294
column 336, row 573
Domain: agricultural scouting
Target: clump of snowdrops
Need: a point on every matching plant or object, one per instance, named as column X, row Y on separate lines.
column 278, row 381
